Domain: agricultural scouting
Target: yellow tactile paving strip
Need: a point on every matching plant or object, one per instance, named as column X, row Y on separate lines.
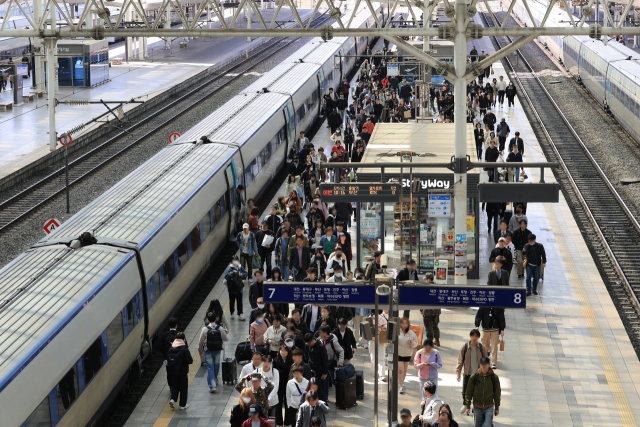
column 167, row 413
column 627, row 417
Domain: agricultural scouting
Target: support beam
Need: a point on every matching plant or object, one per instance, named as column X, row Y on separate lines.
column 50, row 44
column 420, row 55
column 460, row 132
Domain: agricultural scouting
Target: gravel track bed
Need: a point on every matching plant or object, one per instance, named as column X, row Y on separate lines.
column 20, row 237
column 614, row 150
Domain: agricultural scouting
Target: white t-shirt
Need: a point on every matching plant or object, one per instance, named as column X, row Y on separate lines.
column 314, row 317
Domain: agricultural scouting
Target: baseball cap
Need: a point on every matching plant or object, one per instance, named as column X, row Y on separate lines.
column 405, row 412
column 245, row 225
column 254, row 409
column 485, row 361
column 502, row 239
column 256, row 376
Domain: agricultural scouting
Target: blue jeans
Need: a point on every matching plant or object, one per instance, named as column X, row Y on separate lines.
column 285, row 272
column 422, row 382
column 212, row 359
column 533, row 271
column 483, row 417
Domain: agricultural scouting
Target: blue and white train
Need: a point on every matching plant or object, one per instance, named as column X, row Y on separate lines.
column 610, row 72
column 76, row 322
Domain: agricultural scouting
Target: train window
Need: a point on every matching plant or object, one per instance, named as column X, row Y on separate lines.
column 92, row 360
column 41, row 416
column 169, row 270
column 67, row 391
column 183, row 256
column 156, row 284
column 115, row 334
column 195, row 239
column 206, row 225
column 130, row 314
column 217, row 210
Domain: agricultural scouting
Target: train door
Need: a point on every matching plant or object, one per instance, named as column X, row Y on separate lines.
column 290, row 125
column 321, row 90
column 231, row 199
column 607, row 91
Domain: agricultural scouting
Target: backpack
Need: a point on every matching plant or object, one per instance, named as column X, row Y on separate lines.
column 466, row 347
column 214, row 339
column 174, row 360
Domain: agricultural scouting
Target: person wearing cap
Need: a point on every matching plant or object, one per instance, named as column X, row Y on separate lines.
column 374, row 266
column 536, row 258
column 503, row 251
column 265, row 250
column 255, row 420
column 483, row 391
column 337, row 270
column 260, row 393
column 311, row 408
column 234, row 276
column 405, row 419
column 493, row 326
column 430, row 405
column 246, row 241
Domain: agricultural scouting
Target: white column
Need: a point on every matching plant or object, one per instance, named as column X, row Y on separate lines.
column 51, row 91
column 38, row 42
column 248, row 11
column 460, row 95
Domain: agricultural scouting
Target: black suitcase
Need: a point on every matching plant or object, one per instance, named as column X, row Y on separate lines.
column 229, row 371
column 243, row 352
column 346, row 393
column 360, row 385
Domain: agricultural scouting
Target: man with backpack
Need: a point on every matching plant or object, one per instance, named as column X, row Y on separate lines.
column 211, row 345
column 469, row 361
column 484, row 391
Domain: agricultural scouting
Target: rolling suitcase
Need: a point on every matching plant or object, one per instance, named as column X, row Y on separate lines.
column 346, row 393
column 360, row 385
column 229, row 371
column 243, row 352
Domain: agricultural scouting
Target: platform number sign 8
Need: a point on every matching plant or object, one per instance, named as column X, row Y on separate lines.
column 517, row 298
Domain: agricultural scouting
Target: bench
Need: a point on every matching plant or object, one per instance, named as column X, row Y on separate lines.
column 38, row 93
column 29, row 97
column 116, row 61
column 6, row 105
column 184, row 44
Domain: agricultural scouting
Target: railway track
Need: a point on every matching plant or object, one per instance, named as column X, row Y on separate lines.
column 18, row 206
column 595, row 202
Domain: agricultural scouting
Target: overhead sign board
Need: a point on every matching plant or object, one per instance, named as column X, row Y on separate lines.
column 393, row 69
column 359, row 192
column 439, row 205
column 463, row 296
column 341, row 293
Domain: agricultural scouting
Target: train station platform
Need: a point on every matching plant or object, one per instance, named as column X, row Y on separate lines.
column 25, row 128
column 568, row 360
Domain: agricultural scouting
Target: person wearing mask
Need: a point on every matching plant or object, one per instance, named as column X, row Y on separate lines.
column 535, row 258
column 255, row 419
column 178, row 361
column 511, row 92
column 270, row 373
column 260, row 393
column 235, row 275
column 430, row 405
column 256, row 332
column 240, row 412
column 520, row 238
column 256, row 289
column 294, row 391
column 407, row 343
column 246, row 241
column 337, row 270
column 514, row 222
column 493, row 326
column 313, row 407
column 346, row 339
column 300, row 259
column 260, row 307
column 210, row 347
column 382, row 332
column 281, row 251
column 469, row 361
column 317, row 357
column 427, row 361
column 273, row 335
column 483, row 391
column 297, row 355
column 265, row 239
column 165, row 341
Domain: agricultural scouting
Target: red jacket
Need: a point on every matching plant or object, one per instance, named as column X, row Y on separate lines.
column 263, row 423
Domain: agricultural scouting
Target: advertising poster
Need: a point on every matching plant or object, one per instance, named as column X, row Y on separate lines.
column 441, row 267
column 461, row 255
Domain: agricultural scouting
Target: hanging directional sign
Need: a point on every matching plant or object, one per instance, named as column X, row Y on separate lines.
column 341, row 293
column 463, row 296
column 51, row 225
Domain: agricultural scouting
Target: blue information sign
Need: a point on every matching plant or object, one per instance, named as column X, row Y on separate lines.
column 463, row 296
column 345, row 294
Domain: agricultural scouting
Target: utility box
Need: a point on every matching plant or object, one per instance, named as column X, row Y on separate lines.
column 82, row 62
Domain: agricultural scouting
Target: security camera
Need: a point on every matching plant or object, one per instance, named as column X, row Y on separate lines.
column 384, row 260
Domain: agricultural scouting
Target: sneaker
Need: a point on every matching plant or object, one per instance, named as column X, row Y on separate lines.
column 463, row 409
column 541, row 279
column 241, row 317
column 528, row 294
column 232, row 316
column 212, row 390
column 182, row 408
column 535, row 292
column 402, row 389
column 172, row 404
column 520, row 276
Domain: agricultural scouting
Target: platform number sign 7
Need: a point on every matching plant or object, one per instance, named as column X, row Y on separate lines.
column 273, row 291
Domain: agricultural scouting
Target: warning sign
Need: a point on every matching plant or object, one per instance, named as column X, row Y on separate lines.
column 51, row 225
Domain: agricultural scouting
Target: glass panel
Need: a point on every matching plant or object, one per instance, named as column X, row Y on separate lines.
column 195, row 239
column 182, row 254
column 217, row 210
column 206, row 225
column 92, row 360
column 67, row 390
column 169, row 271
column 65, row 70
column 156, row 282
column 41, row 416
column 130, row 316
column 78, row 71
column 152, row 296
column 115, row 334
column 370, row 215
